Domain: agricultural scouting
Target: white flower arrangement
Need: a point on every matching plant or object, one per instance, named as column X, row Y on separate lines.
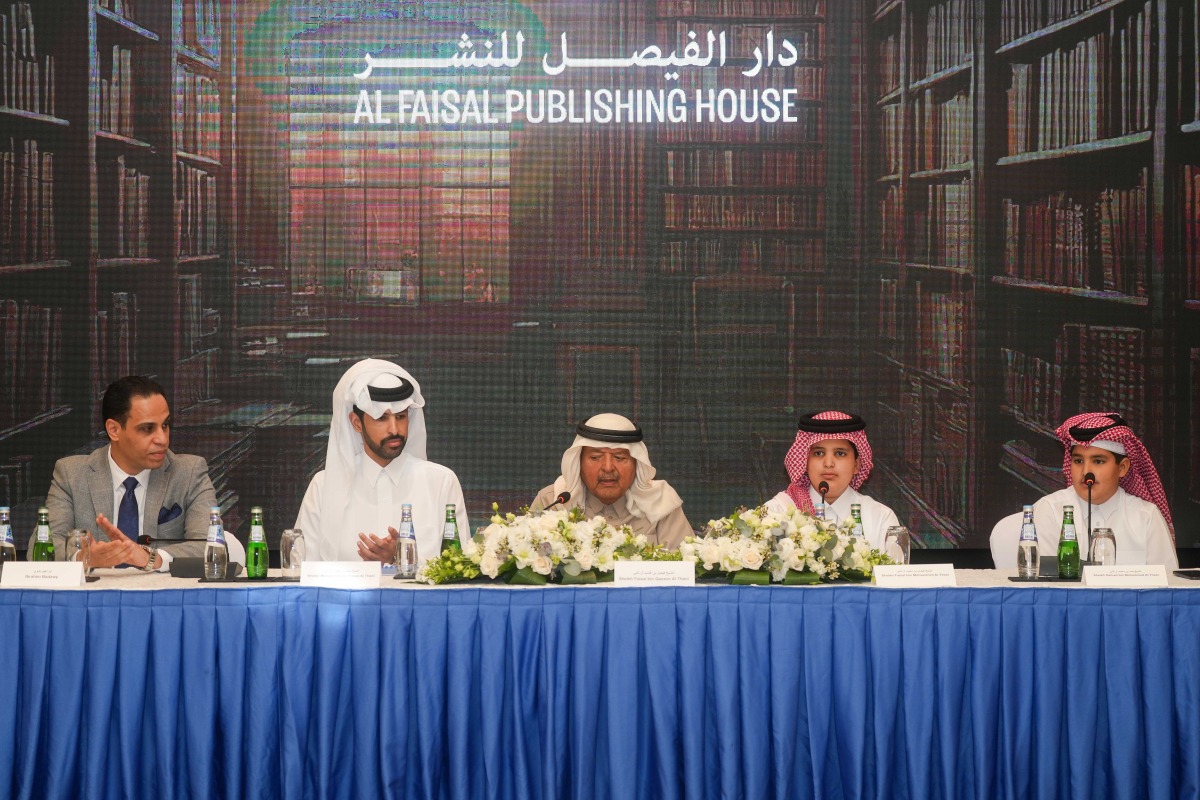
column 782, row 544
column 542, row 546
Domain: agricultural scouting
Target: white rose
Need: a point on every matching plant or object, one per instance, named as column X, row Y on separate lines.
column 751, row 558
column 585, row 559
column 489, row 565
column 542, row 565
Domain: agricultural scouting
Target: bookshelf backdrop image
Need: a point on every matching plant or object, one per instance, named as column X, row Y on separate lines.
column 964, row 220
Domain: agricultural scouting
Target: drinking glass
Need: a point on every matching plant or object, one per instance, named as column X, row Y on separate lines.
column 291, row 552
column 896, row 544
column 79, row 547
column 1103, row 547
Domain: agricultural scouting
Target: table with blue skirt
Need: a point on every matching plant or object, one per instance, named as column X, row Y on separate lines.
column 282, row 691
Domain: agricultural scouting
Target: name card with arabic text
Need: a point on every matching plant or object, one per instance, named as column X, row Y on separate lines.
column 42, row 575
column 1131, row 576
column 914, row 576
column 654, row 573
column 341, row 574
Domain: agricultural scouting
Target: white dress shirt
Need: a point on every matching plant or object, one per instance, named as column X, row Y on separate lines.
column 376, row 496
column 1138, row 526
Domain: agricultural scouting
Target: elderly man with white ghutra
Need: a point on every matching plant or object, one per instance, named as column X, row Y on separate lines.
column 374, row 464
column 607, row 472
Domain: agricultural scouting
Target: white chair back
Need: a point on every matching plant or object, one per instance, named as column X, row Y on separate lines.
column 1005, row 535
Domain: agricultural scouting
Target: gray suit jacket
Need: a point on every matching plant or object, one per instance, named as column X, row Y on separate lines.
column 82, row 488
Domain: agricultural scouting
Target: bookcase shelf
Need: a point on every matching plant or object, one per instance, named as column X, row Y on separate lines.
column 1190, row 127
column 940, row 77
column 126, row 24
column 37, row 266
column 106, row 137
column 1037, row 38
column 91, row 287
column 49, row 415
column 1073, row 214
column 1082, row 149
column 1070, row 291
column 201, row 161
column 19, row 114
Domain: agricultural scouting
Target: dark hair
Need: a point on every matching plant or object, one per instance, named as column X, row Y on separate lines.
column 118, row 397
column 358, row 412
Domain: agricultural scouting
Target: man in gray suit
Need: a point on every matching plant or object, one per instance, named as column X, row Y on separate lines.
column 157, row 495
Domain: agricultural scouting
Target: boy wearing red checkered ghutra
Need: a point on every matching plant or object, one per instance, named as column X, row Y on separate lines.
column 827, row 463
column 1127, row 494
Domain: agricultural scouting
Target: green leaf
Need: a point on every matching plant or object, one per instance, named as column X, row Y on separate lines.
column 751, row 577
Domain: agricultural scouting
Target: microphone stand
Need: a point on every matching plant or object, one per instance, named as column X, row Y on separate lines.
column 1089, row 479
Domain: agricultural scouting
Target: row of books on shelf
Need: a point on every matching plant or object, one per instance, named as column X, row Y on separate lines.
column 887, row 64
column 1089, row 240
column 943, row 320
column 768, row 212
column 115, row 328
column 888, row 316
column 30, row 360
column 1190, row 186
column 1022, row 17
column 1098, row 88
column 116, row 94
column 195, row 211
column 808, row 81
column 890, row 214
column 127, row 214
column 891, row 138
column 942, row 130
column 27, row 219
column 807, row 129
column 202, row 26
column 1033, row 388
column 741, row 39
column 197, row 113
column 196, row 378
column 27, row 81
column 948, row 38
column 943, row 225
column 741, row 8
column 1094, row 366
column 197, row 323
column 933, row 431
column 753, row 254
column 717, row 167
column 16, row 482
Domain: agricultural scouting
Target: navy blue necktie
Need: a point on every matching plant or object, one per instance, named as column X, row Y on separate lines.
column 127, row 514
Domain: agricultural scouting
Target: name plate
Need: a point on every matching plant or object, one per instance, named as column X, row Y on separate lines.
column 42, row 574
column 341, row 574
column 1133, row 576
column 914, row 576
column 654, row 573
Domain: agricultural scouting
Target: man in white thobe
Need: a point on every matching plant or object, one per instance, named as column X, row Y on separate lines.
column 374, row 464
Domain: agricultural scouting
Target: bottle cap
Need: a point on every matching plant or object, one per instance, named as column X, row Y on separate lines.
column 43, row 510
column 255, row 509
column 213, row 509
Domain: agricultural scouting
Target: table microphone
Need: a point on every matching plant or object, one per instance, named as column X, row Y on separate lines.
column 1089, row 478
column 823, row 488
column 562, row 498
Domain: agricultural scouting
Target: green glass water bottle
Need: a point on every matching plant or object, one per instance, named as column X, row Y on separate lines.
column 256, row 549
column 43, row 544
column 1068, row 546
column 450, row 531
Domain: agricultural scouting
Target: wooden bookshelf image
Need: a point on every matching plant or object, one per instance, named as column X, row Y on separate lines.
column 738, row 226
column 116, row 184
column 919, row 283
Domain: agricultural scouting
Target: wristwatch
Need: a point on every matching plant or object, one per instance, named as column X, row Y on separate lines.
column 151, row 557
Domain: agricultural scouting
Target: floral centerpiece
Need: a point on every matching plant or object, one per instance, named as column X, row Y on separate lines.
column 561, row 545
column 757, row 546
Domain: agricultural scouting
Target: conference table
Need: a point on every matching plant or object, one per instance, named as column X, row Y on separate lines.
column 144, row 686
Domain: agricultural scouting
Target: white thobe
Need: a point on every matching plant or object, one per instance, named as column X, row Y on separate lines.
column 876, row 517
column 376, row 497
column 1138, row 526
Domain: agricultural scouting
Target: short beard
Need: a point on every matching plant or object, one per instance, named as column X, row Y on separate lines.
column 379, row 449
